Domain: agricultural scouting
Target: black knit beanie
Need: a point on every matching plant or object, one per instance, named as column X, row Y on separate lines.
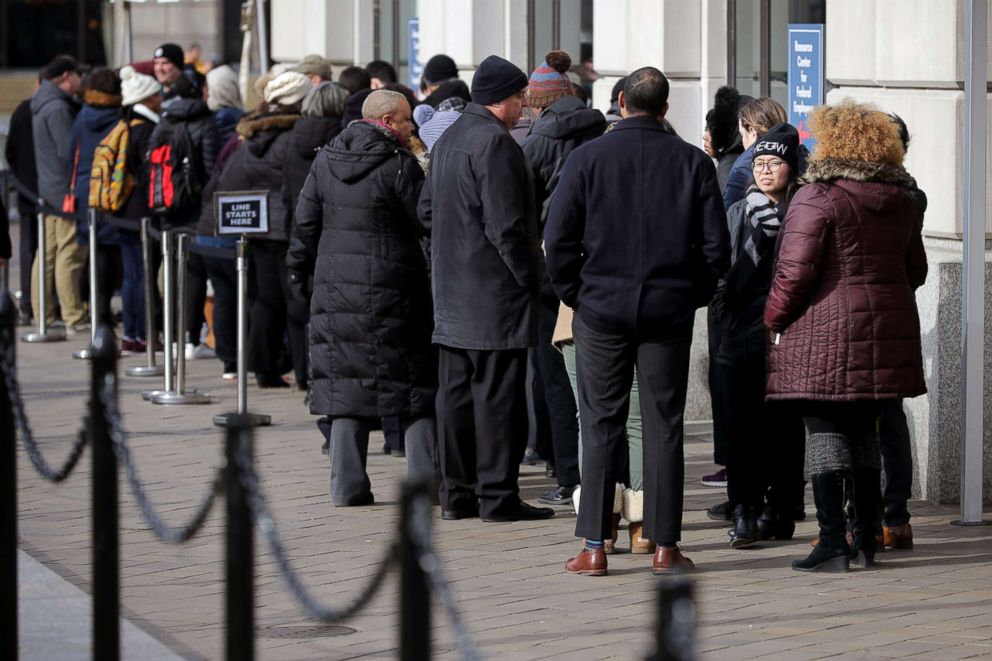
column 781, row 140
column 172, row 52
column 495, row 80
column 439, row 69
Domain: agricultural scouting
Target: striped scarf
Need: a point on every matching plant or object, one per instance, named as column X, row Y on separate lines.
column 764, row 224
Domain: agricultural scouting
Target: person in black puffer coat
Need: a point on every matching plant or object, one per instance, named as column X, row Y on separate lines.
column 322, row 109
column 563, row 124
column 371, row 313
column 258, row 165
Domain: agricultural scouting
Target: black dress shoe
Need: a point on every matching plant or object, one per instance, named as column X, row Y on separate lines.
column 521, row 512
column 557, row 496
column 721, row 512
column 458, row 515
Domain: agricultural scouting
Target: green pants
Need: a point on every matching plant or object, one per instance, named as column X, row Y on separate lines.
column 634, row 432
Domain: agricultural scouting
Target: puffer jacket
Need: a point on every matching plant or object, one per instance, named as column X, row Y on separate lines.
column 371, row 314
column 257, row 164
column 202, row 128
column 310, row 134
column 850, row 257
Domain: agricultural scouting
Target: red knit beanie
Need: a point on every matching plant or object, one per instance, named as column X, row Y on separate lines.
column 549, row 83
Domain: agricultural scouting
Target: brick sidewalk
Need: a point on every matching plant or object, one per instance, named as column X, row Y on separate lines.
column 933, row 602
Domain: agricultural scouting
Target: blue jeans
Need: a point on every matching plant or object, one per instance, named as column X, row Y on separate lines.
column 132, row 285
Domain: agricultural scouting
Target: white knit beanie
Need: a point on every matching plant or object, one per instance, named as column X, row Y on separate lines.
column 136, row 87
column 287, row 88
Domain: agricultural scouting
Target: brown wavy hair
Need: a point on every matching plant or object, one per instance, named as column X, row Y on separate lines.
column 762, row 113
column 856, row 132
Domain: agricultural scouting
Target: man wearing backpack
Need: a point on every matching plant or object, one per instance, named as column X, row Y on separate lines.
column 53, row 110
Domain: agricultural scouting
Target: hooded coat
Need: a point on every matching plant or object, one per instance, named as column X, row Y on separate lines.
column 560, row 128
column 851, row 255
column 310, row 134
column 92, row 125
column 370, row 313
column 52, row 115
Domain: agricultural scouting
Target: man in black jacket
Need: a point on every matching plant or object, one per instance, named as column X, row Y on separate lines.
column 485, row 260
column 634, row 248
column 19, row 151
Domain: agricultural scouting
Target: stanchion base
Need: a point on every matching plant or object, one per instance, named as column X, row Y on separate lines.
column 53, row 335
column 145, row 370
column 967, row 524
column 82, row 354
column 253, row 419
column 181, row 398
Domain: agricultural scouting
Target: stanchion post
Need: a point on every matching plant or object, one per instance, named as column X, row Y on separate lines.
column 179, row 395
column 106, row 525
column 151, row 336
column 87, row 353
column 8, row 480
column 676, row 633
column 254, row 419
column 168, row 322
column 239, row 547
column 44, row 333
column 415, row 595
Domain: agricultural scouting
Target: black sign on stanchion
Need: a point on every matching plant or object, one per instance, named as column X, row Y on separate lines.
column 242, row 213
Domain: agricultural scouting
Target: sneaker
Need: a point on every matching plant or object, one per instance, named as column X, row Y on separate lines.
column 76, row 329
column 199, row 351
column 721, row 512
column 128, row 347
column 530, row 458
column 229, row 376
column 557, row 496
column 717, row 479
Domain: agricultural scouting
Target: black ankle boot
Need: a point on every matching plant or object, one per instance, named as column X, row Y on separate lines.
column 775, row 524
column 832, row 552
column 744, row 532
column 867, row 495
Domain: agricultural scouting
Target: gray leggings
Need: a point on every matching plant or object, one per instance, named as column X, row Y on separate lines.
column 349, row 447
column 843, row 436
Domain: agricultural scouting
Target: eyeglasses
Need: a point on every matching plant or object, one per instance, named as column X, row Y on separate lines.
column 771, row 166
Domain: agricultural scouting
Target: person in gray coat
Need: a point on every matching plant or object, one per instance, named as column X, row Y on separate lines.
column 53, row 111
column 485, row 262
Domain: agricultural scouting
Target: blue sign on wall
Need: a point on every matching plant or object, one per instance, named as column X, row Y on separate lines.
column 415, row 67
column 805, row 76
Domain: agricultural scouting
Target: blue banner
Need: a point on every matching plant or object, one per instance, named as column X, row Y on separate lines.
column 415, row 66
column 805, row 76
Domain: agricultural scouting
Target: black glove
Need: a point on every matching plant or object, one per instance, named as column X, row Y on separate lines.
column 299, row 286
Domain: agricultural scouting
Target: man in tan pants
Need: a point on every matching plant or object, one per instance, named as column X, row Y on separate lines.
column 53, row 110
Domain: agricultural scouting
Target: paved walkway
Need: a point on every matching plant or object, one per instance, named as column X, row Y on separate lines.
column 933, row 602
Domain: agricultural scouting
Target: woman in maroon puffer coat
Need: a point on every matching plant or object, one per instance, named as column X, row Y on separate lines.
column 843, row 318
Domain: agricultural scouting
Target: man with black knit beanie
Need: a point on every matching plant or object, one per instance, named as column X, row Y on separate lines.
column 485, row 263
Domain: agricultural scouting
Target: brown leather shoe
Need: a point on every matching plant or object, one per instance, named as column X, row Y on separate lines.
column 638, row 543
column 669, row 560
column 587, row 563
column 898, row 537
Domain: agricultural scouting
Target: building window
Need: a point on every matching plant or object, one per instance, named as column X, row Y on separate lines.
column 561, row 25
column 33, row 32
column 391, row 33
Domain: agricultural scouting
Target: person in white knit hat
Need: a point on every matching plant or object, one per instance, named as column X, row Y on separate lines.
column 142, row 102
column 287, row 89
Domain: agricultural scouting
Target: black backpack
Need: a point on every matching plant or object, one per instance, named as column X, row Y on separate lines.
column 173, row 168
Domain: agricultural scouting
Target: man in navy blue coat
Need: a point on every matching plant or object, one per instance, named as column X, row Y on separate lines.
column 635, row 241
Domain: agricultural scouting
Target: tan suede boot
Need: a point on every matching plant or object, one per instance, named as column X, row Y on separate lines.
column 633, row 512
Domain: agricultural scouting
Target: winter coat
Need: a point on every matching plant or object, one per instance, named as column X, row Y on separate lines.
column 309, row 135
column 636, row 235
column 485, row 250
column 725, row 162
column 202, row 128
column 19, row 152
column 559, row 129
column 850, row 257
column 227, row 121
column 92, row 125
column 52, row 115
column 370, row 323
column 139, row 137
column 257, row 165
column 739, row 178
column 5, row 247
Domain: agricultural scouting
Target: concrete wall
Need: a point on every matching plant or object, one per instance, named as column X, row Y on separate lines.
column 153, row 24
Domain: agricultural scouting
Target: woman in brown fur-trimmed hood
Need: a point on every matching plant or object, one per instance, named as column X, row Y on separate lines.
column 842, row 313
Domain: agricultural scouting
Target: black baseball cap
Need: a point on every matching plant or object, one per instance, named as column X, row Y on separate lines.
column 60, row 65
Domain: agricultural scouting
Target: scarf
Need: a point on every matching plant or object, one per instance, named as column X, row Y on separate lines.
column 762, row 224
column 385, row 128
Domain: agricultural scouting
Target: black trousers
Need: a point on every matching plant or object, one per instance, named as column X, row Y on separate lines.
column 482, row 427
column 196, row 295
column 538, row 417
column 716, row 386
column 897, row 462
column 558, row 396
column 108, row 273
column 604, row 371
column 765, row 440
column 27, row 247
column 224, row 279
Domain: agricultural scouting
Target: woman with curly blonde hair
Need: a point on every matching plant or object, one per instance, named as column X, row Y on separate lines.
column 843, row 318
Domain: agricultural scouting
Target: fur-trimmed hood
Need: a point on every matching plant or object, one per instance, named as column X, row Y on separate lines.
column 269, row 121
column 831, row 169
